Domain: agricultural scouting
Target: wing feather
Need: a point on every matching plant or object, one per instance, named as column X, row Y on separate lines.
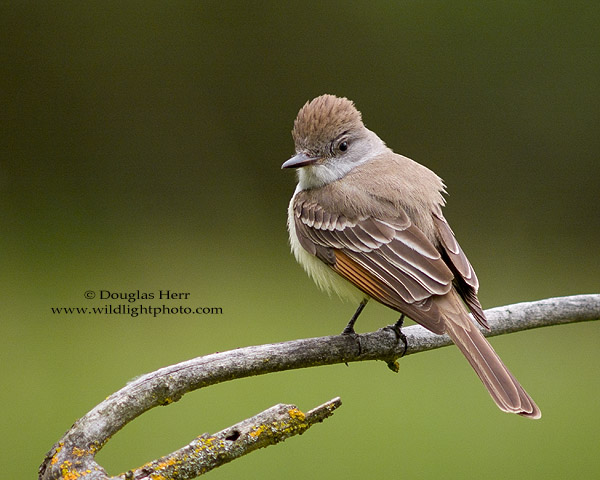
column 391, row 260
column 466, row 281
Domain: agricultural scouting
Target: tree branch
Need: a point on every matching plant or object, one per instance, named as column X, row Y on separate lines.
column 73, row 456
column 210, row 451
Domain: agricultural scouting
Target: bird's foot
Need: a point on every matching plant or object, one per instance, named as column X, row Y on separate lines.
column 349, row 329
column 397, row 329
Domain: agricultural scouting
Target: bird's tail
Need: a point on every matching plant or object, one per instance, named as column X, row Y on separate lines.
column 505, row 390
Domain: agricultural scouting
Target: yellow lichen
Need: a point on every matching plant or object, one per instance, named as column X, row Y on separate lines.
column 171, row 461
column 258, row 431
column 67, row 472
column 204, row 443
column 79, row 452
column 296, row 414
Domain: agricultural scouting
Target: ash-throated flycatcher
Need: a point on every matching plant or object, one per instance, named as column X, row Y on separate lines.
column 366, row 222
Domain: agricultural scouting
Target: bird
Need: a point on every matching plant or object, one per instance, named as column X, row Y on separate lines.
column 367, row 223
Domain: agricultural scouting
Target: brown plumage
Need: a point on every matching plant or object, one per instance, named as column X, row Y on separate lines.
column 367, row 223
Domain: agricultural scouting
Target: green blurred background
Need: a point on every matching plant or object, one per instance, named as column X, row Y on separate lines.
column 141, row 145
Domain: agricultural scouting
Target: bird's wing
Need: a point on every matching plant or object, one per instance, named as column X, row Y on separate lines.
column 390, row 260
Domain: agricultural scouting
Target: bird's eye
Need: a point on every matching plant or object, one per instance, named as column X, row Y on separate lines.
column 343, row 146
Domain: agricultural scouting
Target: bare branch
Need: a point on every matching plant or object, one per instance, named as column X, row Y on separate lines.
column 210, row 451
column 73, row 455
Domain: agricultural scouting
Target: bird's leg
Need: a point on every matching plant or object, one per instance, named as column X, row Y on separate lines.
column 349, row 330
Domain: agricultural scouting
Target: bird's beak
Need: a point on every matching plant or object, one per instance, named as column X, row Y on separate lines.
column 299, row 160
